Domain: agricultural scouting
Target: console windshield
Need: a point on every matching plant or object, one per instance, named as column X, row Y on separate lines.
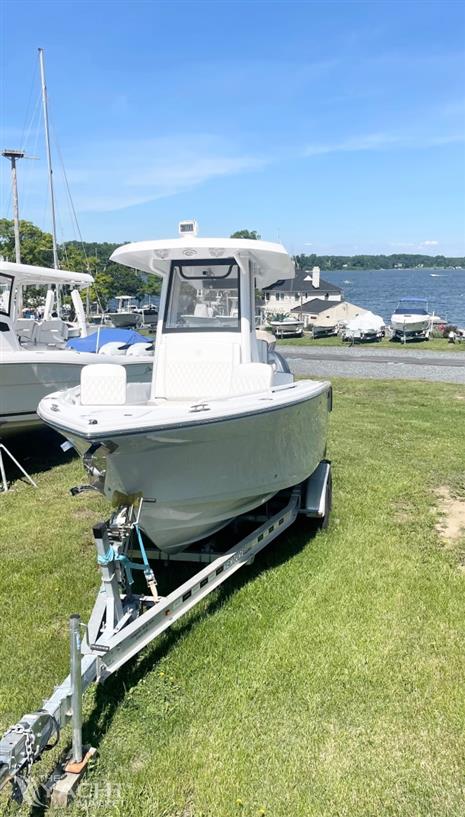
column 203, row 296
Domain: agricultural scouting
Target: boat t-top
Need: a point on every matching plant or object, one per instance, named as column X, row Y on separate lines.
column 411, row 319
column 223, row 426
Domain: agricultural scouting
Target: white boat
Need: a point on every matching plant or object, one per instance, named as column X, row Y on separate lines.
column 411, row 318
column 125, row 315
column 365, row 327
column 34, row 360
column 287, row 326
column 148, row 314
column 223, row 426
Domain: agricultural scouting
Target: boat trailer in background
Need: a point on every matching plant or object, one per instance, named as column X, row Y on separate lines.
column 122, row 622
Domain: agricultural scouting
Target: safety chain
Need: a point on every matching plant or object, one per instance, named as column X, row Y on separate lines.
column 30, row 740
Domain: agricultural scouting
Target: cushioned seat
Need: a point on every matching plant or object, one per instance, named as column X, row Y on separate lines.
column 209, row 372
column 52, row 332
column 26, row 328
column 103, row 384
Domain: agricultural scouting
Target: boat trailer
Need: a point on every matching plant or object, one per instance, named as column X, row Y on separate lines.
column 122, row 623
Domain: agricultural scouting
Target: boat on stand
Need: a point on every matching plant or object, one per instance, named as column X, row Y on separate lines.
column 411, row 319
column 223, row 426
column 287, row 327
column 125, row 315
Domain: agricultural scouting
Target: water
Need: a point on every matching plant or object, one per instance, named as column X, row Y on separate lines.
column 380, row 290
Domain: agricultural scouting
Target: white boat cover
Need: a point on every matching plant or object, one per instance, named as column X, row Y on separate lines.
column 366, row 322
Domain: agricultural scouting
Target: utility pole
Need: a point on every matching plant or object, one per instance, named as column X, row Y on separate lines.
column 49, row 157
column 13, row 156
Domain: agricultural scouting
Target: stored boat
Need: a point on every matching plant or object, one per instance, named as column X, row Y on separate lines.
column 223, row 426
column 364, row 328
column 125, row 315
column 287, row 326
column 411, row 319
column 34, row 360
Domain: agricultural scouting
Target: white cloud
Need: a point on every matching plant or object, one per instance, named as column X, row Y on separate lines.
column 383, row 141
column 413, row 246
column 117, row 174
column 141, row 170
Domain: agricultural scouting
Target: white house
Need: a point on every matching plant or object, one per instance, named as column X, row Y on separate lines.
column 284, row 295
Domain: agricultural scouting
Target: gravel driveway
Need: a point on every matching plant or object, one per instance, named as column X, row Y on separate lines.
column 360, row 361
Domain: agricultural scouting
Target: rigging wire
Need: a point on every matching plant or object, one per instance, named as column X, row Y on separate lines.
column 25, row 129
column 74, row 218
column 32, row 129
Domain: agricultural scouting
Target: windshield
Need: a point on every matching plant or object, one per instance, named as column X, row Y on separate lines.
column 6, row 285
column 414, row 306
column 203, row 296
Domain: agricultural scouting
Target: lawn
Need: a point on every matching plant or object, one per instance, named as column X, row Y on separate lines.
column 433, row 345
column 324, row 681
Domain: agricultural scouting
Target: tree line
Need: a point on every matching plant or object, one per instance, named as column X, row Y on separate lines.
column 405, row 260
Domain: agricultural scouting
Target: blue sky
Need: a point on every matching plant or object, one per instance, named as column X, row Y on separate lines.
column 337, row 127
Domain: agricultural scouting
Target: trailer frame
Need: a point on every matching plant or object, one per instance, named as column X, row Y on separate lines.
column 122, row 622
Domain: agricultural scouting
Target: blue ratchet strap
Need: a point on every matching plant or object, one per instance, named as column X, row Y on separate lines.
column 107, row 558
column 110, row 556
column 147, row 568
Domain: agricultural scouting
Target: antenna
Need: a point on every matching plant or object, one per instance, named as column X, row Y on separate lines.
column 13, row 156
column 49, row 157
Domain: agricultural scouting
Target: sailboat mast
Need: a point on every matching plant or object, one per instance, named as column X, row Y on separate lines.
column 49, row 157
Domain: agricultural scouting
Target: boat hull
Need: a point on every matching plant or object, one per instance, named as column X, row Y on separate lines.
column 194, row 479
column 283, row 328
column 124, row 320
column 23, row 383
column 409, row 323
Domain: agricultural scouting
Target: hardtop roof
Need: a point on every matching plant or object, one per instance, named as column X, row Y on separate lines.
column 271, row 260
column 30, row 274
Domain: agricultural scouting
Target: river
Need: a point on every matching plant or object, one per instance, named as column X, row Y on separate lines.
column 380, row 290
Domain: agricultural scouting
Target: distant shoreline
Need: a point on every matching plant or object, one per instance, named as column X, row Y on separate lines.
column 373, row 268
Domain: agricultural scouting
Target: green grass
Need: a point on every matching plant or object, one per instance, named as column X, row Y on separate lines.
column 433, row 345
column 324, row 681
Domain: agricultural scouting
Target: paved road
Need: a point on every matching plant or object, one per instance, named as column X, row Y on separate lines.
column 360, row 361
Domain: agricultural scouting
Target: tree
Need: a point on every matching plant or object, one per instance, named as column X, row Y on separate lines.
column 36, row 246
column 251, row 234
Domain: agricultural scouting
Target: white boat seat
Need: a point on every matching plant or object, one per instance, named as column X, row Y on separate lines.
column 195, row 372
column 203, row 311
column 8, row 340
column 52, row 331
column 251, row 378
column 210, row 372
column 26, row 328
column 103, row 384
